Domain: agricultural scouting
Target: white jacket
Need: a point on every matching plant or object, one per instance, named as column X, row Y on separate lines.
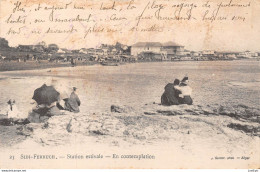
column 12, row 113
column 185, row 90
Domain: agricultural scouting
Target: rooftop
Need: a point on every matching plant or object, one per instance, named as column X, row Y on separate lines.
column 156, row 44
column 171, row 44
column 147, row 44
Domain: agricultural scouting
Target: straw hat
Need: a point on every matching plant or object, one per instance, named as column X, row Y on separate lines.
column 185, row 80
column 11, row 102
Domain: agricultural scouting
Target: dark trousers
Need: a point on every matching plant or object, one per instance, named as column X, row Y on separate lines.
column 187, row 100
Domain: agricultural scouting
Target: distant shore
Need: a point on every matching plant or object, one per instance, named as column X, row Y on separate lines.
column 32, row 65
column 44, row 64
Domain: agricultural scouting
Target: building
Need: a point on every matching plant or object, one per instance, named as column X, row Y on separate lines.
column 38, row 48
column 91, row 51
column 185, row 53
column 227, row 54
column 208, row 52
column 113, row 51
column 146, row 47
column 247, row 54
column 83, row 50
column 99, row 52
column 157, row 50
column 105, row 50
column 195, row 54
column 172, row 49
column 53, row 48
column 26, row 48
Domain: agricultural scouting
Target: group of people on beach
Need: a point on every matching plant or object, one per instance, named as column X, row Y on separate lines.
column 43, row 111
column 176, row 93
column 68, row 103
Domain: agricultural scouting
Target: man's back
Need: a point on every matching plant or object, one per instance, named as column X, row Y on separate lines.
column 73, row 103
column 169, row 96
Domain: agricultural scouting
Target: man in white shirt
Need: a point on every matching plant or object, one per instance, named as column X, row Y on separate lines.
column 185, row 91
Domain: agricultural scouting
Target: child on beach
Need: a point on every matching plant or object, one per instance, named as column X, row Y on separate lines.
column 11, row 110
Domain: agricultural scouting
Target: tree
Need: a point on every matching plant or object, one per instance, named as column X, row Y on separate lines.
column 42, row 44
column 52, row 48
column 3, row 43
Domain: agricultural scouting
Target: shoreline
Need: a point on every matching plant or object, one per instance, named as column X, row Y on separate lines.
column 32, row 65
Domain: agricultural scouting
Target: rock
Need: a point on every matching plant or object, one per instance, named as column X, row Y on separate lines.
column 27, row 130
column 154, row 109
column 37, row 118
column 97, row 132
column 45, row 125
column 240, row 112
column 228, row 111
column 255, row 130
column 126, row 133
column 6, row 121
column 13, row 121
column 96, row 129
column 150, row 113
column 24, row 130
column 136, row 124
column 208, row 111
column 170, row 112
column 68, row 128
column 121, row 109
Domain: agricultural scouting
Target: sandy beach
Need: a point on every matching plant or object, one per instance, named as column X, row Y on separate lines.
column 223, row 122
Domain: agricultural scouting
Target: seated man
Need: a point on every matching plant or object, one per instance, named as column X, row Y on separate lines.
column 171, row 95
column 72, row 103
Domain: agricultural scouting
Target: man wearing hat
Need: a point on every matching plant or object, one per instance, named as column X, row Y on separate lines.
column 73, row 102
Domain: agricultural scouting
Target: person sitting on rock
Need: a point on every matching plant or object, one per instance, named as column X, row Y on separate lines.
column 11, row 116
column 171, row 95
column 11, row 110
column 73, row 102
column 185, row 91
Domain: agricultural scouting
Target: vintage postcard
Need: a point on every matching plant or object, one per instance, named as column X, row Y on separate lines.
column 129, row 84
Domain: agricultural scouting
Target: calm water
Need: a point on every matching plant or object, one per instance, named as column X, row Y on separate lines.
column 217, row 82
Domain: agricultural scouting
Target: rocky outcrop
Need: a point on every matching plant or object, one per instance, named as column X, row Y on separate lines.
column 150, row 122
column 13, row 121
column 248, row 116
column 249, row 129
column 121, row 109
column 239, row 112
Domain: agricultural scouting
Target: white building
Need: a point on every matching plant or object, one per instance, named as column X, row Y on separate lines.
column 166, row 49
column 248, row 54
column 208, row 52
column 153, row 47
